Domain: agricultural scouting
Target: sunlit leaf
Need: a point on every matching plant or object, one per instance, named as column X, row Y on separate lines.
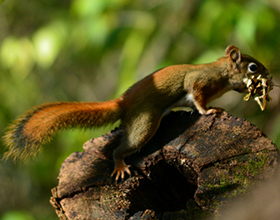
column 17, row 55
column 9, row 53
column 246, row 27
column 84, row 8
column 17, row 215
column 48, row 41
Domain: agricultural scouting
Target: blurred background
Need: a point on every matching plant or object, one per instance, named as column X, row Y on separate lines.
column 93, row 50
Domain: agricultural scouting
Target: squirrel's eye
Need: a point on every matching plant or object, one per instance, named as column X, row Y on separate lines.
column 252, row 67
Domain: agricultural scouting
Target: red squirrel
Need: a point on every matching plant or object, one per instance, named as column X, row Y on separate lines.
column 140, row 108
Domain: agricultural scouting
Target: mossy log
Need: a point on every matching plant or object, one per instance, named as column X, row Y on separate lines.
column 192, row 166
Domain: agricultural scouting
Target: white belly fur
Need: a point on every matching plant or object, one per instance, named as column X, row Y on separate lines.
column 186, row 101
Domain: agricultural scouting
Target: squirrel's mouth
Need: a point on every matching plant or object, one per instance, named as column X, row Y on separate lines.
column 259, row 88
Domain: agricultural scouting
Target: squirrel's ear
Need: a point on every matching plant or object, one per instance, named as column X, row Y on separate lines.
column 234, row 53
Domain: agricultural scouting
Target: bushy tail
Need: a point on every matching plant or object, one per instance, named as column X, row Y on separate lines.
column 27, row 134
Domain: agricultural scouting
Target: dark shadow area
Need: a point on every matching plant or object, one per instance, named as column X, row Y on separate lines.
column 165, row 190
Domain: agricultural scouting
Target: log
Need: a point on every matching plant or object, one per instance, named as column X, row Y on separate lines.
column 191, row 167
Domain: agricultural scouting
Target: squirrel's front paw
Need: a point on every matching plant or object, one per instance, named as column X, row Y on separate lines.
column 214, row 111
column 120, row 169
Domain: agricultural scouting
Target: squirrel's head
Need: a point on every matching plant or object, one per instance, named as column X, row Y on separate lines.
column 246, row 74
column 242, row 66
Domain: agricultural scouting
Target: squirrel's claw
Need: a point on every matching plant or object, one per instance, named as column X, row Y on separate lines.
column 120, row 171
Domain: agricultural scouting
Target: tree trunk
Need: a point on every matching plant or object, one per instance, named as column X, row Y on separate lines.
column 192, row 166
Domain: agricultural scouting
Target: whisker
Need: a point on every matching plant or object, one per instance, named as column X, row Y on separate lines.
column 268, row 65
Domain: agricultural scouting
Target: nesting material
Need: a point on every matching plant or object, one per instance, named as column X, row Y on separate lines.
column 259, row 88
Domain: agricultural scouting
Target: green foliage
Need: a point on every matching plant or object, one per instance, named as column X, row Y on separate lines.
column 17, row 215
column 84, row 50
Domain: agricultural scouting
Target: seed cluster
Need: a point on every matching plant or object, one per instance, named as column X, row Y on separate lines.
column 259, row 87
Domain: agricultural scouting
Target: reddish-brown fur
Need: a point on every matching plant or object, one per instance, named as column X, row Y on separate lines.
column 140, row 108
column 35, row 127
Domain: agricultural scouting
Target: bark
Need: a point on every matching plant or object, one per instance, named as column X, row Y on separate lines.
column 191, row 167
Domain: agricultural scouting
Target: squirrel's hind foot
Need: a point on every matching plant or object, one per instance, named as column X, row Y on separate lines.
column 120, row 169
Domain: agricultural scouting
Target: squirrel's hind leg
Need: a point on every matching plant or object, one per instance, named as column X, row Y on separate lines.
column 136, row 134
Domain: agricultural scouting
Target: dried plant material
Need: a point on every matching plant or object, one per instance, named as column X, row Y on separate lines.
column 258, row 87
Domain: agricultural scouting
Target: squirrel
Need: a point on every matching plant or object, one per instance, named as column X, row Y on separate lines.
column 140, row 108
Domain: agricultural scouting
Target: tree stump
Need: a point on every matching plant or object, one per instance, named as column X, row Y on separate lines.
column 192, row 166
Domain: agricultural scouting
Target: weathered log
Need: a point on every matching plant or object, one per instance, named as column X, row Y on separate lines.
column 192, row 166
